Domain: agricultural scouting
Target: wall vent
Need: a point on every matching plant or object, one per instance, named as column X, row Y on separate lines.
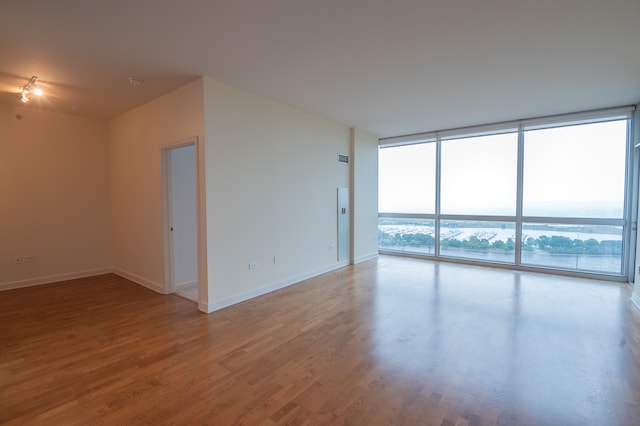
column 343, row 158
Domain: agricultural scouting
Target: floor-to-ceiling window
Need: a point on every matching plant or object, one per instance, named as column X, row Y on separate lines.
column 573, row 196
column 544, row 193
column 412, row 168
column 478, row 197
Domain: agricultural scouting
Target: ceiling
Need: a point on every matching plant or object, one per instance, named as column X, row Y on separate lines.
column 389, row 67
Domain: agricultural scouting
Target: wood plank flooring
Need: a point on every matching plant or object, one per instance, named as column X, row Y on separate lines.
column 392, row 341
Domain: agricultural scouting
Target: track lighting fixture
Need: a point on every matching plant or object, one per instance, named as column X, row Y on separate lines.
column 29, row 88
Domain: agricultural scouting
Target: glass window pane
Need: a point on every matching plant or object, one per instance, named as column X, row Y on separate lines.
column 407, row 179
column 576, row 171
column 408, row 235
column 479, row 175
column 480, row 240
column 591, row 248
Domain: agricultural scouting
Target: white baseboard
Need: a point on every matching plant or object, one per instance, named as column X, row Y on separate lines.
column 635, row 297
column 366, row 257
column 53, row 278
column 226, row 302
column 158, row 288
column 340, row 264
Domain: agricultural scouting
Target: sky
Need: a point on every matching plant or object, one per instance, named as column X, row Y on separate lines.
column 574, row 171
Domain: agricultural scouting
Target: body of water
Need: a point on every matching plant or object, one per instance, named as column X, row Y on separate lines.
column 577, row 262
column 493, row 234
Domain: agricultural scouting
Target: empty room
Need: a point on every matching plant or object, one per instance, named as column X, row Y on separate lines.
column 319, row 212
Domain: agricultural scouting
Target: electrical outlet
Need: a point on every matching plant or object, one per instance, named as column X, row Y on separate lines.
column 276, row 260
column 253, row 266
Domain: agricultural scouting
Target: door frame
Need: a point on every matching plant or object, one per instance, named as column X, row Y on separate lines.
column 169, row 286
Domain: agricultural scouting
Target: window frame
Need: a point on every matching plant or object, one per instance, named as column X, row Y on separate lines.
column 628, row 221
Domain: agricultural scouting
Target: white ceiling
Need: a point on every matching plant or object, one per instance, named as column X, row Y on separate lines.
column 390, row 67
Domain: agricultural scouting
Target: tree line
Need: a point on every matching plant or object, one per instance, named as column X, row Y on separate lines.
column 555, row 244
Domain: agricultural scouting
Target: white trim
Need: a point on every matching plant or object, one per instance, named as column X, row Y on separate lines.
column 53, row 278
column 169, row 286
column 167, row 237
column 340, row 264
column 364, row 258
column 158, row 288
column 226, row 302
column 635, row 296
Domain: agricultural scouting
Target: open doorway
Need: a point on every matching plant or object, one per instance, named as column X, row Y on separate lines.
column 179, row 164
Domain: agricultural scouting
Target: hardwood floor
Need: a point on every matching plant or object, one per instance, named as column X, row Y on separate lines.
column 389, row 341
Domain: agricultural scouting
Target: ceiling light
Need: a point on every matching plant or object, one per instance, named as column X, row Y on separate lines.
column 29, row 88
column 135, row 81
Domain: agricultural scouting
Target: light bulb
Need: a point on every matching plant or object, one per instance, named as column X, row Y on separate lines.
column 37, row 91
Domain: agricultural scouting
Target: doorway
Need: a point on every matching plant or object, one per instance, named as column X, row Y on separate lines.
column 181, row 218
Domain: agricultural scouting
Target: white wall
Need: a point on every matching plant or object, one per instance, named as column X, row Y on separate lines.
column 272, row 174
column 365, row 195
column 266, row 186
column 136, row 140
column 184, row 215
column 54, row 197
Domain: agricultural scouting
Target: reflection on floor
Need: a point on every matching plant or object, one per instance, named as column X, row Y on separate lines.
column 390, row 341
column 189, row 292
